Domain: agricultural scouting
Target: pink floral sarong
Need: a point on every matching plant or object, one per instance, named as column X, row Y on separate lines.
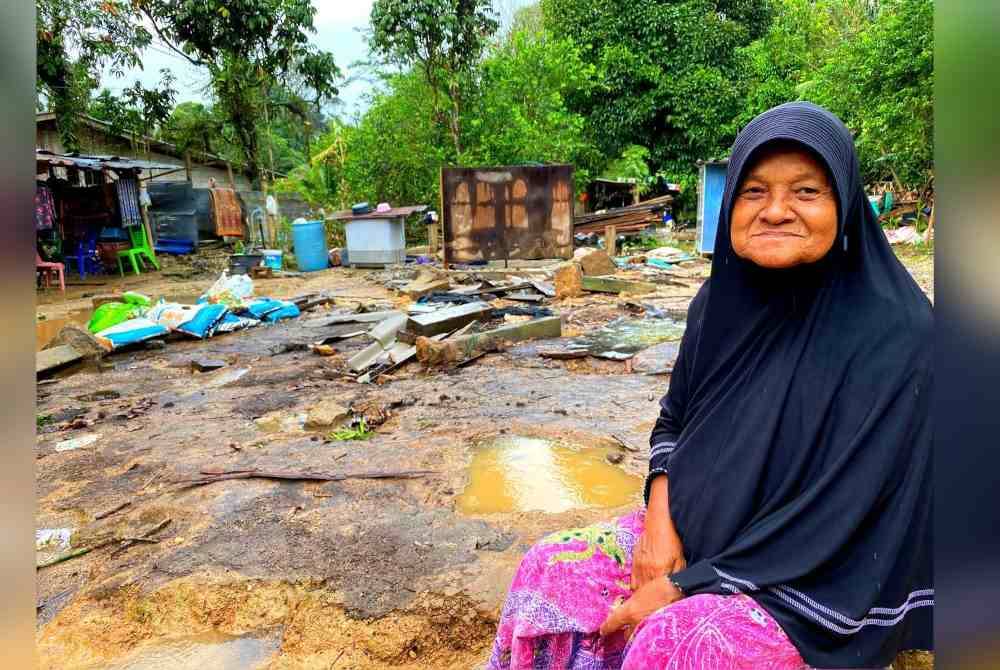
column 567, row 584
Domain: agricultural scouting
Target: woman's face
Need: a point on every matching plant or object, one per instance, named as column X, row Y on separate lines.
column 785, row 212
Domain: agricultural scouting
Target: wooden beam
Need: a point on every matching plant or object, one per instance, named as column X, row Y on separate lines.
column 187, row 166
column 432, row 239
column 448, row 319
column 56, row 357
column 467, row 347
column 612, row 285
column 232, row 179
column 610, row 240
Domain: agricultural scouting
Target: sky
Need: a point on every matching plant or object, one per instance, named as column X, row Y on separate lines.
column 338, row 26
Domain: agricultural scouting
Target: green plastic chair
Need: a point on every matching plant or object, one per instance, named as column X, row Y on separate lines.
column 140, row 248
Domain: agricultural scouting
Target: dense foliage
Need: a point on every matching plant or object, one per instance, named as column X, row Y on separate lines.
column 75, row 39
column 635, row 89
column 254, row 51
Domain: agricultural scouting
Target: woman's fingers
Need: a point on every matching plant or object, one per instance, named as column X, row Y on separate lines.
column 615, row 620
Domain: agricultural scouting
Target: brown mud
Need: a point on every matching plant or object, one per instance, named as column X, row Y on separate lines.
column 387, row 573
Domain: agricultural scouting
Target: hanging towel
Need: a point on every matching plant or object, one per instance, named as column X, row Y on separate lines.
column 45, row 211
column 227, row 213
column 128, row 200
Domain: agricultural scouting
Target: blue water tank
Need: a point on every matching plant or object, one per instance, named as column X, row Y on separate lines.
column 309, row 239
column 711, row 185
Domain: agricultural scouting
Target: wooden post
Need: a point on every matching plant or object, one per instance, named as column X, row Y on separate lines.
column 443, row 219
column 635, row 194
column 610, row 240
column 187, row 167
column 232, row 180
column 432, row 239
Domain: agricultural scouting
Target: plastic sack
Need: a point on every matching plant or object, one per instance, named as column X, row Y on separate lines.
column 203, row 321
column 132, row 331
column 196, row 320
column 270, row 310
column 137, row 299
column 111, row 314
column 233, row 291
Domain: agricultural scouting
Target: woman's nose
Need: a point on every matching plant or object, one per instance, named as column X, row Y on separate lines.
column 777, row 210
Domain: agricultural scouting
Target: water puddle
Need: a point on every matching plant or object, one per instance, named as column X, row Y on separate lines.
column 624, row 338
column 214, row 650
column 514, row 474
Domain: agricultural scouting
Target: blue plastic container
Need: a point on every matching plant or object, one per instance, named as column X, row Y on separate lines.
column 272, row 258
column 309, row 239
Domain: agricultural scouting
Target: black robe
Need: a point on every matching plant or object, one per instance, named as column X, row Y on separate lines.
column 796, row 432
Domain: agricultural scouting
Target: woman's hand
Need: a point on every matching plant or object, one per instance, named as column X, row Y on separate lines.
column 651, row 597
column 658, row 553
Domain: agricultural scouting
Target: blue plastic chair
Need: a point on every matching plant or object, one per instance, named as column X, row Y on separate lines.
column 86, row 257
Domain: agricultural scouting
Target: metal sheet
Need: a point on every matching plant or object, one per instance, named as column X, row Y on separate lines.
column 500, row 213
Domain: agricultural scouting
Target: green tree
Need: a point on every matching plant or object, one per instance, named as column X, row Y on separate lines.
column 519, row 109
column 249, row 47
column 668, row 72
column 880, row 81
column 443, row 39
column 138, row 111
column 75, row 39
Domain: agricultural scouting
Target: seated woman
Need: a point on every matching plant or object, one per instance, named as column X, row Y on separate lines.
column 787, row 521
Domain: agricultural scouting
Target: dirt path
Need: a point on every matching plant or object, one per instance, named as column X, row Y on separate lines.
column 350, row 574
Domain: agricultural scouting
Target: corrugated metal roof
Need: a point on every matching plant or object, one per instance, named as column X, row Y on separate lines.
column 100, row 162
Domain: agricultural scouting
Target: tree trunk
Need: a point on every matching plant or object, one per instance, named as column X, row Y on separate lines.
column 456, row 121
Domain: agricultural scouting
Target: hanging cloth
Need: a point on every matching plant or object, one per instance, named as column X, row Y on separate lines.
column 45, row 211
column 128, row 200
column 227, row 213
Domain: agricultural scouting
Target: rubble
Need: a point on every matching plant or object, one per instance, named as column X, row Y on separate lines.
column 594, row 262
column 568, row 280
column 326, row 414
column 460, row 349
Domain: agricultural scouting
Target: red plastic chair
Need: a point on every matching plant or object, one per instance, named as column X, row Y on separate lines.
column 47, row 268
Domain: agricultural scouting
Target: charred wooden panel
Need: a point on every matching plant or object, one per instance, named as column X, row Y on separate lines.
column 518, row 212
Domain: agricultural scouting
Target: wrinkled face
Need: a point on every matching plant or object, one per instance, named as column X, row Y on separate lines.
column 785, row 211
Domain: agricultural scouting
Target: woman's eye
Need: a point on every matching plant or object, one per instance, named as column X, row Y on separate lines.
column 753, row 190
column 808, row 190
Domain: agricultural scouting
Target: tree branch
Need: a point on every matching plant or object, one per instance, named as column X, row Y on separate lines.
column 169, row 44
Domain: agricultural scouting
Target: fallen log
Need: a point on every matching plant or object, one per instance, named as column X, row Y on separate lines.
column 459, row 349
column 211, row 476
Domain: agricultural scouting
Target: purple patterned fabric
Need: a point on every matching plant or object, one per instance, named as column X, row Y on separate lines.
column 569, row 581
column 45, row 212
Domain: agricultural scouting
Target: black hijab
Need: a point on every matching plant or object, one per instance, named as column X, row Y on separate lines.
column 796, row 432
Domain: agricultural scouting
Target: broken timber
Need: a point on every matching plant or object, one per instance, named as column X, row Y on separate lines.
column 448, row 319
column 56, row 357
column 463, row 348
column 210, row 476
column 612, row 285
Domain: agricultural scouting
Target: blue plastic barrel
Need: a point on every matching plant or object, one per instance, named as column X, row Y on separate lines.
column 309, row 239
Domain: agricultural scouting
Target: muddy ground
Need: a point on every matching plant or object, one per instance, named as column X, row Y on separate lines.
column 349, row 574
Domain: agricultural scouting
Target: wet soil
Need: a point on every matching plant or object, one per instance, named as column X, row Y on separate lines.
column 387, row 573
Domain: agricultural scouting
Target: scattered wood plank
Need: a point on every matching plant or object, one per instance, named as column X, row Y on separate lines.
column 563, row 354
column 456, row 350
column 126, row 543
column 361, row 317
column 448, row 319
column 613, row 285
column 525, row 297
column 48, row 360
column 211, row 475
column 108, row 512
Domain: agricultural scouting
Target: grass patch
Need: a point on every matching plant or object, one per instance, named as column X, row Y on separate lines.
column 42, row 420
column 358, row 432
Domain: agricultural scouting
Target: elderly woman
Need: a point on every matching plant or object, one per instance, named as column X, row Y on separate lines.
column 787, row 521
